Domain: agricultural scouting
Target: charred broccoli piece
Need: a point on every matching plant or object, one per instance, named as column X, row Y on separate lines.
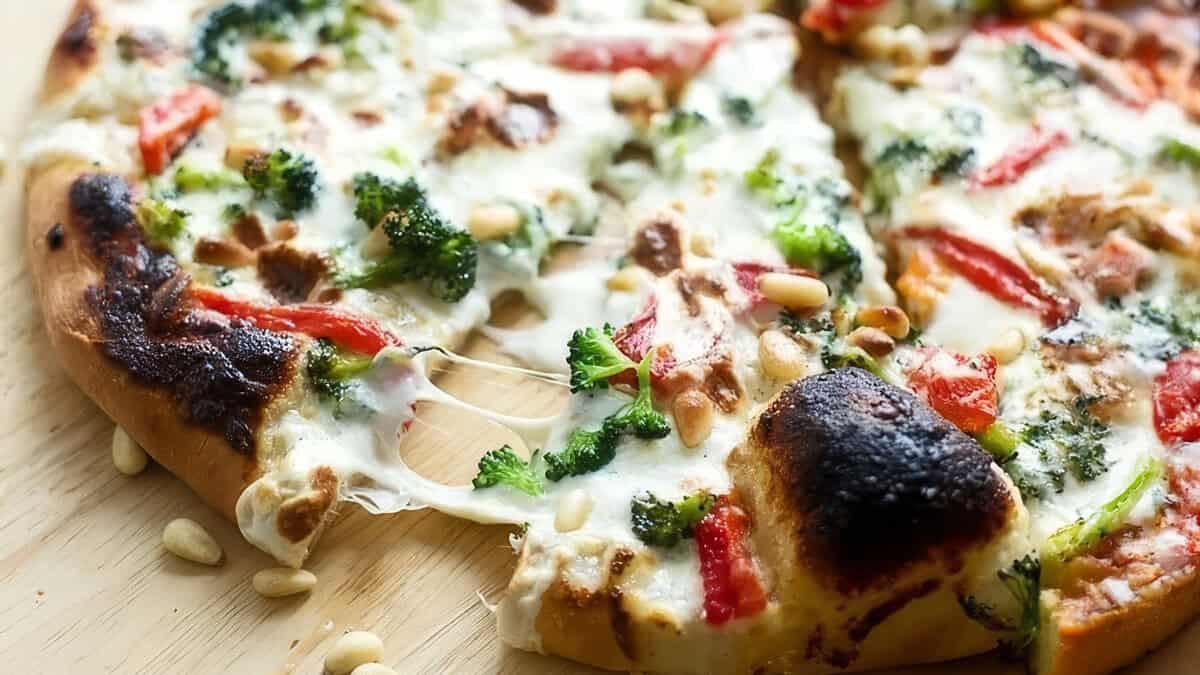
column 594, row 357
column 639, row 414
column 161, row 222
column 1022, row 579
column 504, row 467
column 331, row 373
column 424, row 247
column 665, row 524
column 290, row 181
column 586, row 451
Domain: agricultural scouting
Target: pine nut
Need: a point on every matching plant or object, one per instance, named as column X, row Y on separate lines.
column 353, row 650
column 635, row 85
column 872, row 340
column 887, row 318
column 793, row 291
column 442, row 81
column 189, row 540
column 573, row 511
column 279, row 582
column 1008, row 346
column 277, row 57
column 876, row 42
column 694, row 415
column 494, row 221
column 911, row 46
column 373, row 669
column 626, row 279
column 780, row 356
column 129, row 457
column 237, row 154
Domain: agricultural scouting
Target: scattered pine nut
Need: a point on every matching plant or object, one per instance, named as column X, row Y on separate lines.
column 129, row 457
column 279, row 582
column 353, row 650
column 189, row 540
column 694, row 415
column 780, row 356
column 872, row 340
column 494, row 221
column 793, row 291
column 573, row 511
column 887, row 318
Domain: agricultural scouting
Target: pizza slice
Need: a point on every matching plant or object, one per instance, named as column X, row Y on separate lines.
column 1037, row 203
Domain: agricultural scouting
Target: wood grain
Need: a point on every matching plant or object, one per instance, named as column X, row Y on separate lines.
column 86, row 588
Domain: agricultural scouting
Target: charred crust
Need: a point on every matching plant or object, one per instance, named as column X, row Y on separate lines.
column 877, row 480
column 300, row 516
column 620, row 561
column 860, row 628
column 221, row 374
column 621, row 623
column 538, row 6
column 55, row 238
column 78, row 41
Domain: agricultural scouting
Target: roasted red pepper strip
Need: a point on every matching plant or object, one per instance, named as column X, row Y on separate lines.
column 996, row 275
column 347, row 330
column 959, row 388
column 682, row 59
column 636, row 338
column 168, row 125
column 1177, row 400
column 1019, row 158
column 732, row 588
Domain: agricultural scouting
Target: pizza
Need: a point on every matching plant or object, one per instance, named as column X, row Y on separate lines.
column 825, row 411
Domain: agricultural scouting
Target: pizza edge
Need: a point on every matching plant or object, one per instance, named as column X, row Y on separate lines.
column 64, row 269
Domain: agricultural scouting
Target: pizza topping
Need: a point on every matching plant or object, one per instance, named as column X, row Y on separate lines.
column 594, row 358
column 331, row 373
column 289, row 181
column 908, row 161
column 996, row 275
column 1117, row 266
column 161, row 222
column 1020, row 157
column 222, row 253
column 959, row 388
column 658, row 245
column 660, row 523
column 189, row 178
column 1177, row 400
column 732, row 587
column 319, row 321
column 167, row 126
column 424, row 247
column 878, row 478
column 1022, row 580
column 289, row 273
column 515, row 120
column 504, row 467
column 680, row 59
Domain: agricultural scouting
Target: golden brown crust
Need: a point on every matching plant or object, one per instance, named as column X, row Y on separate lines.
column 202, row 458
column 76, row 54
column 1074, row 643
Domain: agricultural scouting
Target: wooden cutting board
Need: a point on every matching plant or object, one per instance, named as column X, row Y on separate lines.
column 85, row 586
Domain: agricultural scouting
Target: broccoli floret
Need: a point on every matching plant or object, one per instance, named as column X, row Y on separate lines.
column 908, row 159
column 593, row 358
column 1000, row 440
column 639, row 414
column 1023, row 581
column 424, row 247
column 1083, row 534
column 741, row 109
column 504, row 467
column 192, row 179
column 1036, row 68
column 684, row 121
column 331, row 373
column 161, row 222
column 818, row 247
column 665, row 524
column 1179, row 152
column 521, row 252
column 1078, row 437
column 290, row 181
column 586, row 451
column 226, row 25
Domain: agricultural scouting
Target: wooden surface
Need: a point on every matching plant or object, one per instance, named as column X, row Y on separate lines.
column 86, row 588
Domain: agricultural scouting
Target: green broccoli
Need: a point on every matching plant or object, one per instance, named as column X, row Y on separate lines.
column 191, row 179
column 290, row 181
column 1082, row 535
column 424, row 247
column 684, row 121
column 740, row 108
column 521, row 252
column 665, row 524
column 226, row 25
column 1078, row 437
column 504, row 467
column 639, row 414
column 818, row 247
column 161, row 222
column 1037, row 68
column 594, row 358
column 586, row 451
column 1023, row 581
column 1000, row 440
column 1179, row 152
column 331, row 373
column 908, row 159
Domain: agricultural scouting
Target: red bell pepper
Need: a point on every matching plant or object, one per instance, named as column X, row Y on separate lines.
column 1020, row 158
column 347, row 330
column 996, row 275
column 682, row 59
column 959, row 388
column 168, row 125
column 1177, row 400
column 732, row 588
column 636, row 338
